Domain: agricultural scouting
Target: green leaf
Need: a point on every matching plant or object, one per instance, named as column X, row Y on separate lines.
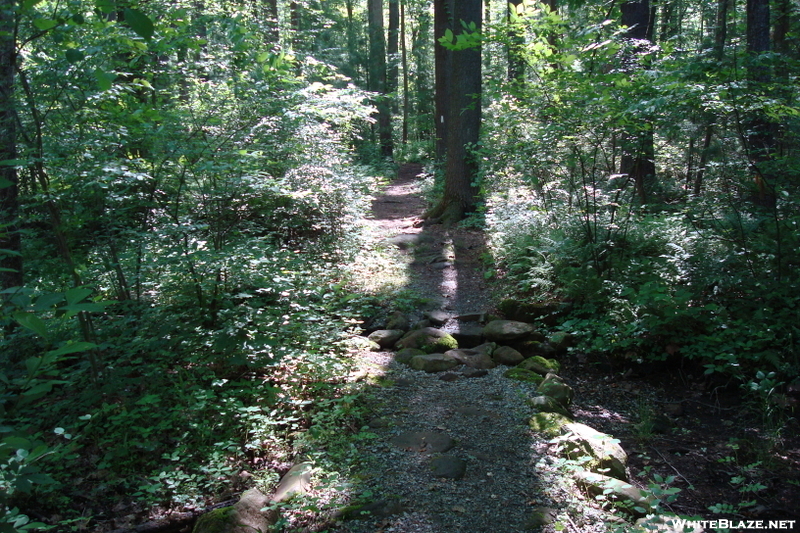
column 31, row 322
column 72, row 348
column 105, row 6
column 73, row 55
column 140, row 23
column 45, row 24
column 28, row 4
column 77, row 294
column 104, row 79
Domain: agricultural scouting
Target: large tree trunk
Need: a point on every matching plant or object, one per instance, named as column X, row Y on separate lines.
column 377, row 74
column 463, row 122
column 10, row 243
column 638, row 156
column 443, row 11
column 759, row 134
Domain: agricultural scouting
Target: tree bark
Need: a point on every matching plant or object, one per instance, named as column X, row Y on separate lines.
column 463, row 121
column 10, row 242
column 443, row 13
column 638, row 155
column 377, row 74
column 404, row 59
column 516, row 40
column 393, row 52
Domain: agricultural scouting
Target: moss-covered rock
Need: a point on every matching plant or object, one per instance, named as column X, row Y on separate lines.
column 561, row 341
column 429, row 340
column 246, row 516
column 549, row 424
column 554, row 387
column 620, row 494
column 520, row 374
column 435, row 362
column 540, row 365
column 545, row 404
column 404, row 356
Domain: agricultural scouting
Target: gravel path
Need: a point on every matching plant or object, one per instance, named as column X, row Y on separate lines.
column 486, row 416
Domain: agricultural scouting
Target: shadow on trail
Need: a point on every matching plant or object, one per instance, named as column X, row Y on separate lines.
column 484, row 416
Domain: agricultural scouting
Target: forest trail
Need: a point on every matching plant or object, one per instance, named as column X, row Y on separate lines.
column 454, row 452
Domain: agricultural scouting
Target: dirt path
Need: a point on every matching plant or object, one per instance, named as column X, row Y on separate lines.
column 485, row 416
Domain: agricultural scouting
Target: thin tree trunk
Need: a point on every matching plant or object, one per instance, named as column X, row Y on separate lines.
column 10, row 242
column 404, row 54
column 516, row 37
column 377, row 74
column 392, row 51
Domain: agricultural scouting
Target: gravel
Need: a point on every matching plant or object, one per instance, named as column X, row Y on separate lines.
column 487, row 416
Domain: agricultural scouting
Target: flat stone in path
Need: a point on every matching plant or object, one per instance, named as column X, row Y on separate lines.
column 423, row 441
column 448, row 466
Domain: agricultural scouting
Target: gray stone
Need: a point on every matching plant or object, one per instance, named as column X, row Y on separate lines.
column 472, row 358
column 404, row 356
column 546, row 404
column 620, row 494
column 561, row 341
column 379, row 422
column 386, row 338
column 472, row 316
column 474, row 372
column 437, row 318
column 580, row 440
column 506, row 355
column 534, row 346
column 540, row 365
column 398, row 320
column 408, row 240
column 429, row 340
column 435, row 362
column 468, row 335
column 554, row 387
column 243, row 517
column 441, row 266
column 549, row 424
column 423, row 441
column 377, row 509
column 362, row 343
column 449, row 376
column 541, row 516
column 296, row 481
column 507, row 330
column 520, row 374
column 448, row 466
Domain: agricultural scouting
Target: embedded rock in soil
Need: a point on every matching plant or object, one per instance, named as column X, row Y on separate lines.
column 541, row 516
column 507, row 330
column 506, row 355
column 362, row 343
column 448, row 466
column 435, row 362
column 580, row 440
column 472, row 358
column 620, row 494
column 545, row 404
column 398, row 320
column 532, row 347
column 540, row 365
column 449, row 376
column 408, row 240
column 474, row 372
column 296, row 481
column 520, row 374
column 561, row 341
column 423, row 441
column 549, row 424
column 378, row 509
column 554, row 387
column 437, row 318
column 243, row 517
column 472, row 316
column 429, row 340
column 386, row 338
column 468, row 335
